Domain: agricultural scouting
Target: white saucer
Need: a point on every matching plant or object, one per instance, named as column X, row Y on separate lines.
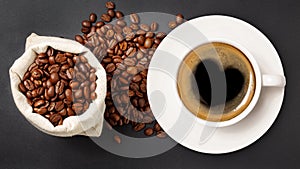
column 174, row 118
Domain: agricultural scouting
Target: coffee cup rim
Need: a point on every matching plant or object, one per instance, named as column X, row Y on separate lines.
column 258, row 85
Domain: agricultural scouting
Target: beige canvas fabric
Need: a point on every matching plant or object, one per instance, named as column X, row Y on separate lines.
column 89, row 123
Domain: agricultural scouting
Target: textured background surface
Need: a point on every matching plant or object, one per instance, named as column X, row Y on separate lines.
column 23, row 146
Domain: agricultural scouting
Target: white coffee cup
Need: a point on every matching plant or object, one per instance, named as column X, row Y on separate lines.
column 261, row 80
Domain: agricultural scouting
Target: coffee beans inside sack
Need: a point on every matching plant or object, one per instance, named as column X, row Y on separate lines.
column 59, row 84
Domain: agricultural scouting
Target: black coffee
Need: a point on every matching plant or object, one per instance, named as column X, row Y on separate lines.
column 215, row 75
column 234, row 81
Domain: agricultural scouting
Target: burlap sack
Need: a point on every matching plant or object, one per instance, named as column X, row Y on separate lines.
column 90, row 122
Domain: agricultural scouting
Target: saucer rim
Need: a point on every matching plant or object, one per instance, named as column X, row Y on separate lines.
column 281, row 94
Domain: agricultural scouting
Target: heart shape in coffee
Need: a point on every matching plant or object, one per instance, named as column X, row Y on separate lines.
column 225, row 85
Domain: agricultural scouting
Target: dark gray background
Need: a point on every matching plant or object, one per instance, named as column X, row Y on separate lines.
column 23, row 146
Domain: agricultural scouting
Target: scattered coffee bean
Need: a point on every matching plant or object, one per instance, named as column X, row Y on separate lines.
column 145, row 27
column 172, row 24
column 179, row 19
column 156, row 127
column 86, row 23
column 117, row 139
column 106, row 17
column 93, row 17
column 125, row 51
column 110, row 5
column 161, row 134
column 134, row 18
column 139, row 127
column 154, row 26
column 111, row 13
column 50, row 86
column 119, row 14
column 148, row 131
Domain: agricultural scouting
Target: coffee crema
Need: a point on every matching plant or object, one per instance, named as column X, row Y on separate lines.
column 215, row 76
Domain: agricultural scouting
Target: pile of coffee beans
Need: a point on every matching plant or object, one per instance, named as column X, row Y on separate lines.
column 59, row 84
column 125, row 49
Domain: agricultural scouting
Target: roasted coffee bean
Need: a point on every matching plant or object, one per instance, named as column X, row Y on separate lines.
column 111, row 13
column 28, row 84
column 70, row 112
column 149, row 35
column 114, row 116
column 110, row 5
column 132, row 70
column 93, row 77
column 143, row 88
column 93, row 17
column 134, row 86
column 141, row 102
column 60, row 58
column 80, row 76
column 123, row 80
column 85, row 30
column 127, row 30
column 68, row 94
column 153, row 26
column 63, row 112
column 145, row 27
column 139, row 127
column 77, row 108
column 134, row 18
column 22, row 88
column 36, row 73
column 78, row 94
column 54, row 68
column 93, row 95
column 117, row 139
column 83, row 59
column 148, row 131
column 86, row 83
column 117, row 29
column 59, row 106
column 156, row 127
column 99, row 24
column 137, row 78
column 161, row 134
column 130, row 36
column 141, row 40
column 179, row 18
column 50, row 52
column 160, row 35
column 82, row 67
column 172, row 24
column 110, row 68
column 40, row 111
column 59, row 87
column 148, row 42
column 93, row 86
column 39, row 103
column 51, row 91
column 119, row 14
column 78, row 38
column 129, row 62
column 86, row 92
column 55, row 119
column 147, row 119
column 106, row 17
column 134, row 27
column 86, row 23
column 32, row 67
column 74, row 84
